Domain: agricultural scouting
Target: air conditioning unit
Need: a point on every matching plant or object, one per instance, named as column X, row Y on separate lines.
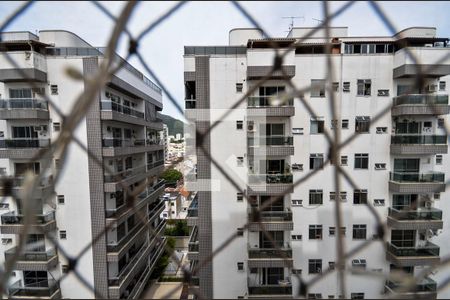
column 428, row 204
column 432, row 88
column 250, row 127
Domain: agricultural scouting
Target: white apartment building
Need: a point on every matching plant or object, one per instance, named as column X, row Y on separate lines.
column 398, row 161
column 121, row 130
column 164, row 139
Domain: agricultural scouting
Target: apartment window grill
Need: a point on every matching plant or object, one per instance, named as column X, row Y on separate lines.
column 239, row 87
column 442, row 85
column 344, row 160
column 346, row 87
column 240, row 197
column 362, row 124
column 297, row 131
column 335, row 87
column 315, row 197
column 56, row 126
column 296, row 271
column 364, row 87
column 297, row 202
column 345, row 124
column 359, row 263
column 357, row 296
column 439, row 159
column 315, row 232
column 314, row 296
column 4, row 205
column 240, row 161
column 361, row 160
column 54, row 89
column 359, row 231
column 240, row 232
column 440, row 123
column 314, row 266
column 61, row 199
column 296, row 237
column 317, row 125
column 380, row 166
column 383, row 93
column 239, row 125
column 332, row 196
column 317, row 88
column 332, row 231
column 316, row 161
column 360, row 196
column 378, row 202
column 62, row 234
column 381, row 130
column 297, row 167
column 240, row 266
column 6, row 241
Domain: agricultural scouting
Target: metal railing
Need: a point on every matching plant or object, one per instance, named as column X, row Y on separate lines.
column 271, row 141
column 269, row 101
column 423, row 99
column 270, row 178
column 23, row 103
column 41, row 289
column 267, row 215
column 283, row 250
column 13, row 218
column 155, row 164
column 119, row 176
column 110, row 105
column 270, row 290
column 117, row 279
column 420, row 214
column 31, row 255
column 419, row 139
column 425, row 285
column 417, row 177
column 24, row 143
column 429, row 249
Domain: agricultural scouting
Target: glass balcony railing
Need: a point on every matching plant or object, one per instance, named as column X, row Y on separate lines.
column 426, row 285
column 429, row 249
column 155, row 164
column 270, row 215
column 271, row 141
column 13, row 218
column 42, row 289
column 407, row 177
column 422, row 99
column 116, row 177
column 193, row 209
column 193, row 240
column 109, row 105
column 269, row 101
column 270, row 178
column 419, row 139
column 111, row 142
column 270, row 290
column 24, row 143
column 283, row 251
column 190, row 103
column 30, row 255
column 423, row 214
column 118, row 279
column 23, row 103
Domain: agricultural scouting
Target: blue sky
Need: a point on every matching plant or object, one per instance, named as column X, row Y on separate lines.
column 208, row 23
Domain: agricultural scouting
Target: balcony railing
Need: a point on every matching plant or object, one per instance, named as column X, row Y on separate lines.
column 270, row 290
column 155, row 164
column 429, row 249
column 24, row 143
column 109, row 105
column 151, row 189
column 419, row 139
column 117, row 280
column 270, row 178
column 417, row 177
column 44, row 288
column 271, row 141
column 193, row 240
column 270, row 215
column 155, row 207
column 13, row 218
column 422, row 214
column 269, row 101
column 284, row 251
column 124, row 174
column 23, row 103
column 423, row 99
column 130, row 235
column 426, row 285
column 30, row 255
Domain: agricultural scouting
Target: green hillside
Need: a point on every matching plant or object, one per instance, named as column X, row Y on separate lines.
column 175, row 126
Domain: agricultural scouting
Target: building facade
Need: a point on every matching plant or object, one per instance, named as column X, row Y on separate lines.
column 164, row 138
column 121, row 132
column 397, row 159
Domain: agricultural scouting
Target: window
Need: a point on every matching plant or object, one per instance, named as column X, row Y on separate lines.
column 239, row 197
column 297, row 202
column 335, row 86
column 315, row 197
column 383, row 93
column 4, row 205
column 240, row 161
column 240, row 232
column 437, row 196
column 297, row 130
column 380, row 166
column 317, row 125
column 331, row 265
column 332, row 196
column 317, row 88
column 346, row 86
column 20, row 93
column 54, row 89
column 439, row 159
column 62, row 234
column 296, row 237
column 362, row 124
column 315, row 161
column 60, row 199
column 315, row 266
column 359, row 196
column 331, row 231
column 297, row 167
column 240, row 266
column 56, row 127
column 361, row 161
column 314, row 296
column 239, row 125
column 364, row 87
column 345, row 124
column 378, row 202
column 359, row 231
column 6, row 241
column 381, row 130
column 357, row 296
column 315, row 232
column 359, row 263
column 442, row 85
column 297, row 271
column 239, row 87
column 441, row 123
column 344, row 160
column 343, row 196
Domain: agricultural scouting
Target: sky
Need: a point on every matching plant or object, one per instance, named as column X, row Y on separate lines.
column 208, row 23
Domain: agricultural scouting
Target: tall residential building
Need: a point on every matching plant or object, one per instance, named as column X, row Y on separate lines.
column 120, row 130
column 398, row 161
column 164, row 134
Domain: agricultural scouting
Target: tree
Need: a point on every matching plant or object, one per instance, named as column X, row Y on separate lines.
column 171, row 175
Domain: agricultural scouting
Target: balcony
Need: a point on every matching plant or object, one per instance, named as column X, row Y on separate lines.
column 258, row 72
column 43, row 290
column 416, row 183
column 33, row 260
column 270, row 106
column 192, row 214
column 271, row 145
column 426, row 64
column 193, row 244
column 421, row 219
column 117, row 147
column 22, row 148
column 155, row 168
column 270, row 184
column 12, row 109
column 419, row 144
column 426, row 289
column 413, row 256
column 12, row 223
column 111, row 111
column 27, row 66
column 270, row 257
column 271, row 291
column 270, row 220
column 142, row 251
column 420, row 104
column 115, row 181
column 42, row 191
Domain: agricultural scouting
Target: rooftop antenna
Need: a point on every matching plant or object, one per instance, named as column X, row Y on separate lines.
column 291, row 25
column 319, row 22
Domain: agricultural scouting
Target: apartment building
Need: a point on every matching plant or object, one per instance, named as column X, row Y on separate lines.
column 164, row 138
column 397, row 159
column 120, row 130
